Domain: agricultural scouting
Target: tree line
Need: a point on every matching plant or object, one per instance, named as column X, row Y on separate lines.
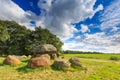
column 79, row 52
column 18, row 40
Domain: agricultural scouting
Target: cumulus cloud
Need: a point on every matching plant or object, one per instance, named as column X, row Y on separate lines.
column 60, row 14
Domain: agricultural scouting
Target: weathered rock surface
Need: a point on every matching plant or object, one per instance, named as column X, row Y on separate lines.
column 47, row 48
column 75, row 61
column 61, row 64
column 45, row 55
column 20, row 57
column 11, row 60
column 39, row 62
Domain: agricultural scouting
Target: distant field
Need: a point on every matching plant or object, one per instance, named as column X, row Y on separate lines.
column 95, row 56
column 96, row 69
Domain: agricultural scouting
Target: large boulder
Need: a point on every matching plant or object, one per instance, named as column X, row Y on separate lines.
column 61, row 64
column 11, row 60
column 75, row 61
column 38, row 62
column 47, row 48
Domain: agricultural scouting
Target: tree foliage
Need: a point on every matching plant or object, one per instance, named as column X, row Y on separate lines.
column 19, row 40
column 3, row 34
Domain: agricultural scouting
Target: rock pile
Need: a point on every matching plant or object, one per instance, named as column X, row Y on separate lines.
column 42, row 56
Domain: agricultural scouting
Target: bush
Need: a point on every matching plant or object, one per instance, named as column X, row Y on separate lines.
column 114, row 58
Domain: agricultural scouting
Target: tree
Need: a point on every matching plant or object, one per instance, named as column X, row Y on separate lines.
column 17, row 33
column 20, row 40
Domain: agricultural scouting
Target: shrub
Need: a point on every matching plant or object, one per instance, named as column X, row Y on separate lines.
column 114, row 58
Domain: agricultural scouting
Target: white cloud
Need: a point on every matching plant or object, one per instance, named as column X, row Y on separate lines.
column 59, row 15
column 99, row 42
column 84, row 28
column 107, row 42
column 111, row 16
column 78, row 38
column 73, row 46
column 11, row 11
column 98, row 39
column 100, row 7
column 45, row 4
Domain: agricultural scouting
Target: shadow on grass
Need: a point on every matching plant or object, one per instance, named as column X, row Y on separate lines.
column 55, row 68
column 10, row 65
column 25, row 60
column 1, row 64
column 71, row 69
column 26, row 69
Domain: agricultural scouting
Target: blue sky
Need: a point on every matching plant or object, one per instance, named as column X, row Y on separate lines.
column 85, row 25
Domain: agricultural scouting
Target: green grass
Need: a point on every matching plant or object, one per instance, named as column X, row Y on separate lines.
column 95, row 69
column 95, row 56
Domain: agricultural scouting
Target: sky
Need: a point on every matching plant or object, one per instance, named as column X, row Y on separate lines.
column 84, row 25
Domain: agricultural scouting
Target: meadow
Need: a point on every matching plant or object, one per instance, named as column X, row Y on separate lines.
column 97, row 67
column 95, row 56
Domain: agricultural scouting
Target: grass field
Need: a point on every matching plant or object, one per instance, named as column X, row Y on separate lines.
column 95, row 56
column 98, row 67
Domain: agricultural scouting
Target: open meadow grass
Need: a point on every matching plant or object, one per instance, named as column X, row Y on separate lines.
column 97, row 67
column 96, row 56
